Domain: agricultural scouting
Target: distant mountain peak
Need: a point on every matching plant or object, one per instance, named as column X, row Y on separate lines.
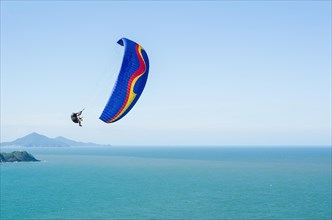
column 35, row 134
column 61, row 138
column 38, row 140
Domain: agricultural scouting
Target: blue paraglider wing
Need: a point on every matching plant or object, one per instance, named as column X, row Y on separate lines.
column 130, row 82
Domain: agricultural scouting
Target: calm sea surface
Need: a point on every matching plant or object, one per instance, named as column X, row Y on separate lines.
column 168, row 183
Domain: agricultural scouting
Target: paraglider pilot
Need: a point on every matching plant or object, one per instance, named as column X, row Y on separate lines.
column 76, row 117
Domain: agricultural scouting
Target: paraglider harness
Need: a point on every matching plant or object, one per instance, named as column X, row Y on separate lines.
column 75, row 117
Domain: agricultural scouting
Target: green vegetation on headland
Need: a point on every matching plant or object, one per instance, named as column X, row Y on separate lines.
column 17, row 156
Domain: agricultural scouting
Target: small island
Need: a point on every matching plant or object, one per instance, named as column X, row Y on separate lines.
column 17, row 156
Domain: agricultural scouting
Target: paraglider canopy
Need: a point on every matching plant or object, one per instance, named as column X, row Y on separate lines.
column 130, row 82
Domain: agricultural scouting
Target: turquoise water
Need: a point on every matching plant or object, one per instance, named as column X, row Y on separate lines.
column 169, row 183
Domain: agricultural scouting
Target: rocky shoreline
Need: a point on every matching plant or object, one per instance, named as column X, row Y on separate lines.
column 17, row 156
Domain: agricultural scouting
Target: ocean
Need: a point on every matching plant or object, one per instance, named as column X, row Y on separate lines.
column 168, row 183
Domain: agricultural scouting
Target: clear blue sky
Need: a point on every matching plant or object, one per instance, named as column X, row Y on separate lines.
column 221, row 73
